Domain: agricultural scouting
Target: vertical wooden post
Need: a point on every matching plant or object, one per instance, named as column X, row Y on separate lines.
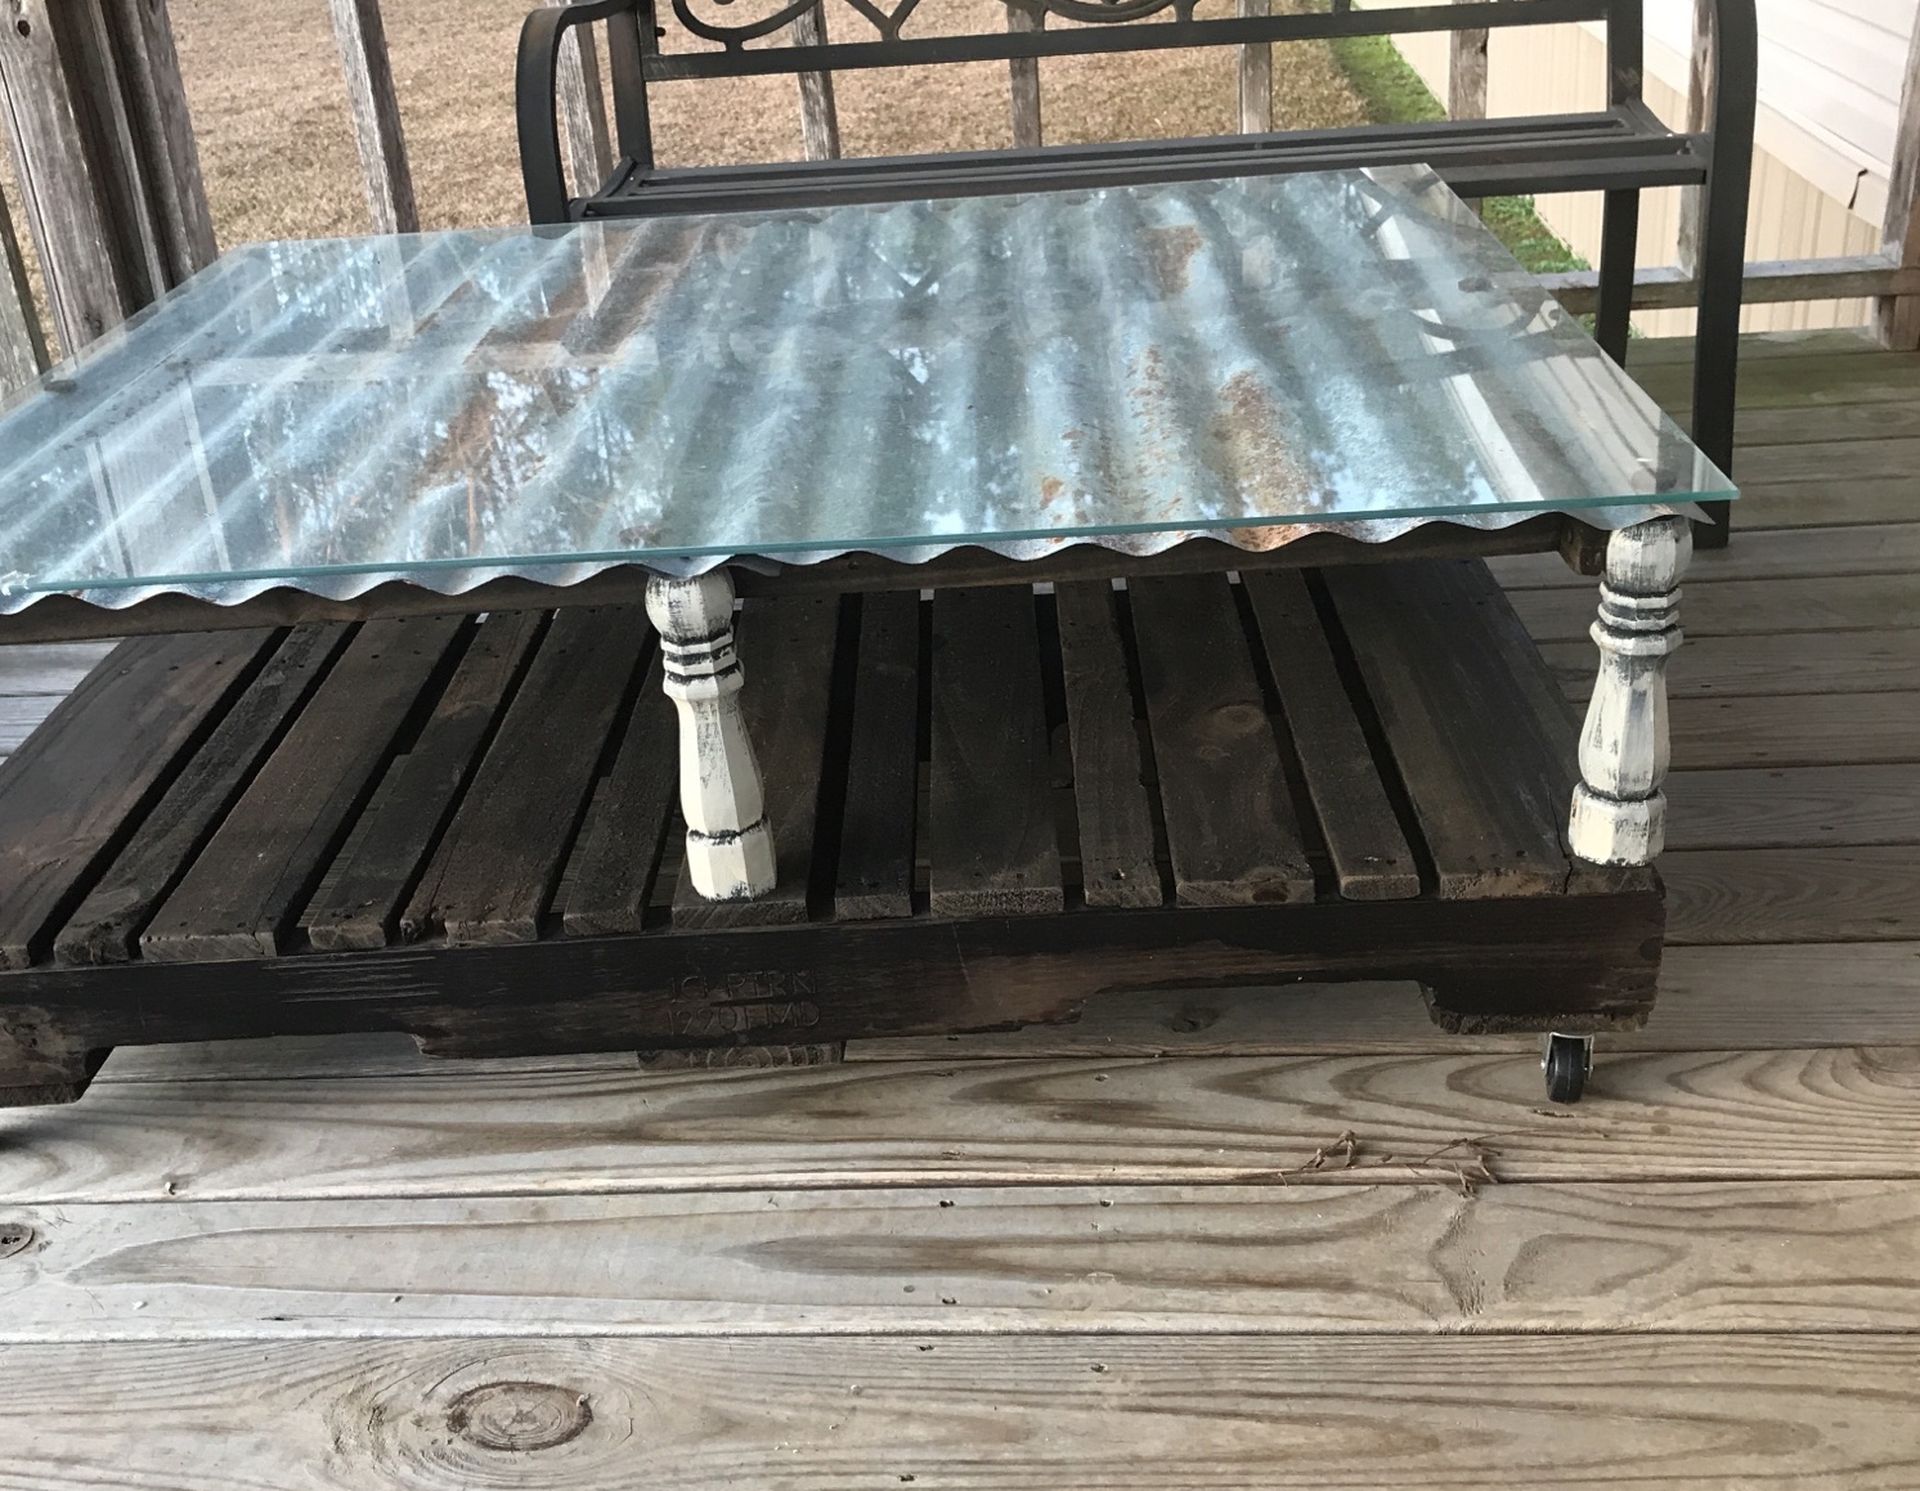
column 102, row 142
column 157, row 103
column 1619, row 812
column 1896, row 318
column 583, row 108
column 819, row 119
column 1024, row 77
column 1467, row 78
column 376, row 115
column 1256, row 76
column 1701, row 73
column 23, row 349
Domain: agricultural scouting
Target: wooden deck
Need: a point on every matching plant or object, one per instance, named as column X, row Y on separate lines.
column 1326, row 1245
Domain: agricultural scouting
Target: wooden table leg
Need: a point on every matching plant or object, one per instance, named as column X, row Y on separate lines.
column 1619, row 812
column 729, row 845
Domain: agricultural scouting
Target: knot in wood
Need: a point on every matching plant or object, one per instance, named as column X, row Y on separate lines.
column 519, row 1417
column 15, row 1237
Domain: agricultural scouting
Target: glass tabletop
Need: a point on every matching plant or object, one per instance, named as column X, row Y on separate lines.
column 1158, row 360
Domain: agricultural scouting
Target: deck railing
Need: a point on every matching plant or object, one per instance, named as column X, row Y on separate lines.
column 109, row 172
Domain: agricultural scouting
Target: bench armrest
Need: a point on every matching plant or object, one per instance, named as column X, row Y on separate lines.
column 536, row 101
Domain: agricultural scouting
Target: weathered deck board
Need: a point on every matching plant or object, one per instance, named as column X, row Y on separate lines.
column 1651, row 1115
column 1780, row 663
column 1419, row 1258
column 1813, row 1411
column 1711, row 607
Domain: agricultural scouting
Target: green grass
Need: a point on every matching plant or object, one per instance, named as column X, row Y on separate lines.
column 1394, row 94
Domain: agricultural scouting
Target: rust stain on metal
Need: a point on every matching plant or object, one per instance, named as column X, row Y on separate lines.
column 1251, row 450
column 1170, row 251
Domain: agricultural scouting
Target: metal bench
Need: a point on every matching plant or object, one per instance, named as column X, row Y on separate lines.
column 1619, row 150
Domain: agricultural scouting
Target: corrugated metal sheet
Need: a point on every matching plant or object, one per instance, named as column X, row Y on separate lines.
column 1253, row 359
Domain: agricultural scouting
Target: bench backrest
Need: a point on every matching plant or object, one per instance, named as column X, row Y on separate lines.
column 820, row 37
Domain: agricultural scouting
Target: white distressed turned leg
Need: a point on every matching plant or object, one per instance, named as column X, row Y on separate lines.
column 729, row 846
column 1619, row 812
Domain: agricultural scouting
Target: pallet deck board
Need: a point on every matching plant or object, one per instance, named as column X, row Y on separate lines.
column 240, row 897
column 360, row 906
column 874, row 876
column 1370, row 853
column 1118, row 862
column 495, row 870
column 108, row 923
column 83, row 779
column 991, row 845
column 1232, row 829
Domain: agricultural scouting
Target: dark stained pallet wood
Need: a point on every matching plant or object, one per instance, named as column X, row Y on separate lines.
column 107, row 925
column 1232, row 832
column 786, row 650
column 240, row 897
column 81, row 782
column 360, row 906
column 992, row 843
column 1489, row 789
column 875, row 874
column 1582, row 961
column 1371, row 857
column 619, row 855
column 1117, row 861
column 497, row 866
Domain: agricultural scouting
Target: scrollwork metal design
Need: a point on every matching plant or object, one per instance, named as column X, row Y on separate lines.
column 888, row 22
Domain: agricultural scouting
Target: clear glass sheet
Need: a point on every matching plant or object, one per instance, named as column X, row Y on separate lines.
column 1135, row 361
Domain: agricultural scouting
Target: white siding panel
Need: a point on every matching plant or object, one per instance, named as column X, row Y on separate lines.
column 1551, row 69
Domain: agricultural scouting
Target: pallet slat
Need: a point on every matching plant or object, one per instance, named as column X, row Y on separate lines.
column 496, row 868
column 241, row 895
column 1231, row 827
column 992, row 844
column 107, row 925
column 619, row 858
column 96, row 763
column 1117, row 864
column 875, row 876
column 360, row 908
column 1371, row 858
column 1488, row 787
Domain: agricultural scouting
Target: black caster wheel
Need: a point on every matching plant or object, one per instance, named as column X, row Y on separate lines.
column 1568, row 1062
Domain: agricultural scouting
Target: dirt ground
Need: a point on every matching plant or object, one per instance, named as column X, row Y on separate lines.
column 263, row 80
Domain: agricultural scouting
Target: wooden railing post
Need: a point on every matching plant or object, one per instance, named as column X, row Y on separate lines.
column 819, row 119
column 1467, row 74
column 104, row 150
column 1024, row 77
column 1896, row 318
column 1701, row 76
column 1256, row 77
column 23, row 349
column 583, row 109
column 376, row 115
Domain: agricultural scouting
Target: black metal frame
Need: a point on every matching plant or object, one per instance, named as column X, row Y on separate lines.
column 1620, row 150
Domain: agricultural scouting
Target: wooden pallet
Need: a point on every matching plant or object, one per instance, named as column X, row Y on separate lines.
column 990, row 806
